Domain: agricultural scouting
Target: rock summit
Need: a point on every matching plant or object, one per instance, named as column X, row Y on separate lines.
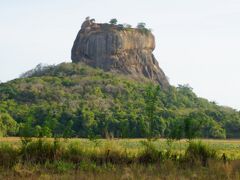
column 118, row 48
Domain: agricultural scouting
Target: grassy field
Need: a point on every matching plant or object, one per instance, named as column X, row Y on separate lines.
column 231, row 147
column 118, row 159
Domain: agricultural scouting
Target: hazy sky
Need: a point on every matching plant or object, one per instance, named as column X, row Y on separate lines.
column 197, row 42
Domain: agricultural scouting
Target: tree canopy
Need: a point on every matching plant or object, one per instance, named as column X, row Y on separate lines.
column 75, row 100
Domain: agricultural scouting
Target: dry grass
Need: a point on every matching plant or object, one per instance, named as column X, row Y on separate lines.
column 10, row 139
column 230, row 146
column 169, row 170
column 115, row 159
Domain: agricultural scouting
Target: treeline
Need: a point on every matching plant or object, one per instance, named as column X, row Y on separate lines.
column 74, row 100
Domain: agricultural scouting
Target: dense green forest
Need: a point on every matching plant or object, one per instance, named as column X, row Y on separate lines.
column 75, row 100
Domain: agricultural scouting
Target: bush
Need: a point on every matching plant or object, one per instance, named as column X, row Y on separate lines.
column 8, row 126
column 40, row 151
column 199, row 152
column 141, row 25
column 37, row 71
column 150, row 154
column 62, row 166
column 113, row 21
column 74, row 153
column 8, row 155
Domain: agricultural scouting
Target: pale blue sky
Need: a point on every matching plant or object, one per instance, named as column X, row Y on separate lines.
column 197, row 42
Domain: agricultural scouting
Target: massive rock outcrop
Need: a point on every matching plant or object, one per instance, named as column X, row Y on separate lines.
column 115, row 48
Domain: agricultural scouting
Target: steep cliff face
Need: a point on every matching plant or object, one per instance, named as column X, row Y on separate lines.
column 114, row 48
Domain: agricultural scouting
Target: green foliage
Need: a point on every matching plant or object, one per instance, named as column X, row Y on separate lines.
column 40, row 151
column 199, row 152
column 9, row 155
column 74, row 153
column 80, row 154
column 75, row 100
column 150, row 154
column 175, row 129
column 142, row 28
column 62, row 166
column 127, row 26
column 8, row 126
column 151, row 98
column 141, row 25
column 113, row 21
column 193, row 124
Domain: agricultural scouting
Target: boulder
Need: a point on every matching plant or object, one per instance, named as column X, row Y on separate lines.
column 123, row 50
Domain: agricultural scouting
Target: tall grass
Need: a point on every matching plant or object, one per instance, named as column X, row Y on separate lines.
column 63, row 157
column 9, row 155
column 40, row 151
column 198, row 152
column 43, row 150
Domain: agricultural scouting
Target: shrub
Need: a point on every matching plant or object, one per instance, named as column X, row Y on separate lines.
column 62, row 166
column 113, row 21
column 74, row 153
column 40, row 151
column 199, row 152
column 141, row 25
column 110, row 153
column 37, row 71
column 8, row 126
column 142, row 28
column 87, row 165
column 150, row 153
column 8, row 155
column 127, row 25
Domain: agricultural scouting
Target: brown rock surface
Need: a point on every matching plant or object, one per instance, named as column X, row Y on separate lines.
column 113, row 48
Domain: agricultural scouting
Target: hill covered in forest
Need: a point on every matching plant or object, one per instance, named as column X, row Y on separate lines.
column 76, row 100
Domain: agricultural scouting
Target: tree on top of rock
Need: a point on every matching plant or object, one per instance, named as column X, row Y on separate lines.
column 141, row 25
column 113, row 21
